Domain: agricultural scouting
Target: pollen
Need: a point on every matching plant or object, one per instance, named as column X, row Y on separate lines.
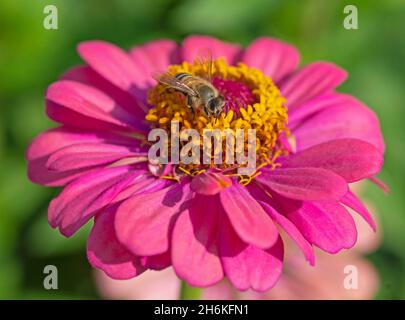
column 252, row 102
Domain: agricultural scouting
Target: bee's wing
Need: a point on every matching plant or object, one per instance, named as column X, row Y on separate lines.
column 171, row 81
column 204, row 58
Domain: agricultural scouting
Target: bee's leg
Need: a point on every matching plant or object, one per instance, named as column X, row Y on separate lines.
column 194, row 113
column 206, row 110
column 215, row 119
column 190, row 103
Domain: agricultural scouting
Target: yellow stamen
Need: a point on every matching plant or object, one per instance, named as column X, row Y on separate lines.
column 185, row 171
column 177, row 179
column 267, row 115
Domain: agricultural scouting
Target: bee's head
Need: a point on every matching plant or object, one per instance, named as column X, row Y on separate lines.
column 215, row 105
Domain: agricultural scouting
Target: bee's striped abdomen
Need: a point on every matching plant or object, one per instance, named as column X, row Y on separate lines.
column 182, row 75
column 187, row 79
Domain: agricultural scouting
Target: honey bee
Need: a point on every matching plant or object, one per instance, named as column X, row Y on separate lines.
column 200, row 94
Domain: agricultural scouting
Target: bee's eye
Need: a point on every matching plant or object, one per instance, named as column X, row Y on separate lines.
column 212, row 104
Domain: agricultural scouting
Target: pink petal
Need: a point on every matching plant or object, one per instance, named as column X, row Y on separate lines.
column 210, row 183
column 275, row 58
column 292, row 231
column 157, row 262
column 79, row 105
column 194, row 243
column 82, row 155
column 155, row 56
column 379, row 183
column 311, row 81
column 106, row 253
column 115, row 65
column 352, row 159
column 144, row 222
column 354, row 203
column 305, row 110
column 48, row 142
column 82, row 198
column 250, row 221
column 87, row 75
column 305, row 183
column 349, row 120
column 247, row 266
column 326, row 224
column 195, row 46
column 145, row 183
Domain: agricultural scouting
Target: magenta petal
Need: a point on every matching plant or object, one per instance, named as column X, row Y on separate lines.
column 247, row 266
column 144, row 221
column 38, row 173
column 292, row 231
column 305, row 183
column 351, row 119
column 82, row 198
column 68, row 101
column 88, row 76
column 194, row 243
column 210, row 183
column 114, row 64
column 273, row 57
column 145, row 183
column 379, row 183
column 326, row 224
column 195, row 46
column 49, row 142
column 155, row 57
column 305, row 110
column 106, row 253
column 82, row 155
column 352, row 159
column 250, row 221
column 354, row 203
column 311, row 81
column 158, row 261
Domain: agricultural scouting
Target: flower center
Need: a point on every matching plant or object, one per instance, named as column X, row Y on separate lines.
column 236, row 94
column 252, row 101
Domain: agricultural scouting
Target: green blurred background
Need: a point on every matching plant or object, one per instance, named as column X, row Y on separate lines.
column 32, row 57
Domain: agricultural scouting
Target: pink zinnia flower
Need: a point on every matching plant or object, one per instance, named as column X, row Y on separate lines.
column 208, row 223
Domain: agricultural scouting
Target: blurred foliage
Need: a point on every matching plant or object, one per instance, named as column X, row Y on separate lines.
column 32, row 57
